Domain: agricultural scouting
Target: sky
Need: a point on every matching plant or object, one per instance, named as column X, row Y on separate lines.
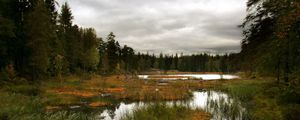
column 167, row 26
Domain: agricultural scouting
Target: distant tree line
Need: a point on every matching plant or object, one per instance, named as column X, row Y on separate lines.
column 117, row 59
column 37, row 41
column 188, row 63
column 272, row 43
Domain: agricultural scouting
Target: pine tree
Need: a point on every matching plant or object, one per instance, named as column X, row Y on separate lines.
column 65, row 17
column 38, row 22
column 69, row 37
column 90, row 57
column 112, row 52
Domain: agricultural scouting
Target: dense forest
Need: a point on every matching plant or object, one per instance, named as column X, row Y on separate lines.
column 271, row 43
column 37, row 41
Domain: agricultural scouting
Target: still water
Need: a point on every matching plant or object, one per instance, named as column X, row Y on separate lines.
column 218, row 104
column 189, row 76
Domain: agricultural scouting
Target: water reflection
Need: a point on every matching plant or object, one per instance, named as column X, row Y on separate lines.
column 219, row 104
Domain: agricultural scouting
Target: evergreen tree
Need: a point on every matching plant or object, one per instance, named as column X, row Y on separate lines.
column 6, row 35
column 37, row 23
column 90, row 52
column 273, row 29
column 112, row 52
column 127, row 57
column 69, row 37
column 65, row 17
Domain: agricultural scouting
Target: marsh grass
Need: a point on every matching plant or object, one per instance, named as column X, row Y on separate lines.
column 31, row 100
column 265, row 99
column 16, row 106
column 161, row 111
column 243, row 92
column 226, row 108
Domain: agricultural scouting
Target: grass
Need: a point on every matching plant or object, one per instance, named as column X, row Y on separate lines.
column 50, row 98
column 160, row 111
column 25, row 101
column 263, row 98
column 16, row 105
column 117, row 86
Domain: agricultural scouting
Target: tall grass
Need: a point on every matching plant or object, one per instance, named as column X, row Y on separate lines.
column 23, row 101
column 243, row 92
column 265, row 99
column 16, row 106
column 161, row 111
column 226, row 108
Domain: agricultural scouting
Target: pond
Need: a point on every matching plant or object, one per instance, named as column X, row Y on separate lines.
column 189, row 76
column 218, row 104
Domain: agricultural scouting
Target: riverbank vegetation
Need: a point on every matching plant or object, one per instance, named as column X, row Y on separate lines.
column 260, row 97
column 263, row 98
column 160, row 111
column 55, row 98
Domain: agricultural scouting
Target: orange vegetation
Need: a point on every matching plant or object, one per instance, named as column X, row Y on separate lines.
column 98, row 104
column 78, row 93
column 114, row 90
column 119, row 87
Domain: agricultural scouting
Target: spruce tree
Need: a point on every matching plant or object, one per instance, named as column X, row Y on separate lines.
column 38, row 23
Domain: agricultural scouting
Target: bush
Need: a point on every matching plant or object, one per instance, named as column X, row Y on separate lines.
column 289, row 96
column 25, row 89
column 3, row 76
column 292, row 112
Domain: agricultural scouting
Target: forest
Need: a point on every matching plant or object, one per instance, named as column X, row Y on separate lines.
column 37, row 41
column 40, row 44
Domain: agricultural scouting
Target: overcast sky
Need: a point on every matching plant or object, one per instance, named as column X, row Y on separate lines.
column 168, row 26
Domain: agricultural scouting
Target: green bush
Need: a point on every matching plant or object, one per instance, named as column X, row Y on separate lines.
column 289, row 96
column 292, row 112
column 3, row 76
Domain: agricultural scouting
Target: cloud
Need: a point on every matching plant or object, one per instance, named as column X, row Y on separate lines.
column 169, row 26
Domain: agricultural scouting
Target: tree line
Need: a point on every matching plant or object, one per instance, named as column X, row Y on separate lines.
column 117, row 59
column 38, row 41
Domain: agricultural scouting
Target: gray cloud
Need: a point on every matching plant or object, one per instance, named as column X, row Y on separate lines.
column 169, row 26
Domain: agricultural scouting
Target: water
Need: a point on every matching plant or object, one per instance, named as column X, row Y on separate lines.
column 188, row 76
column 219, row 104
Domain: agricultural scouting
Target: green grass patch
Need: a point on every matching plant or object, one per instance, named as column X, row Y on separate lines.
column 265, row 99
